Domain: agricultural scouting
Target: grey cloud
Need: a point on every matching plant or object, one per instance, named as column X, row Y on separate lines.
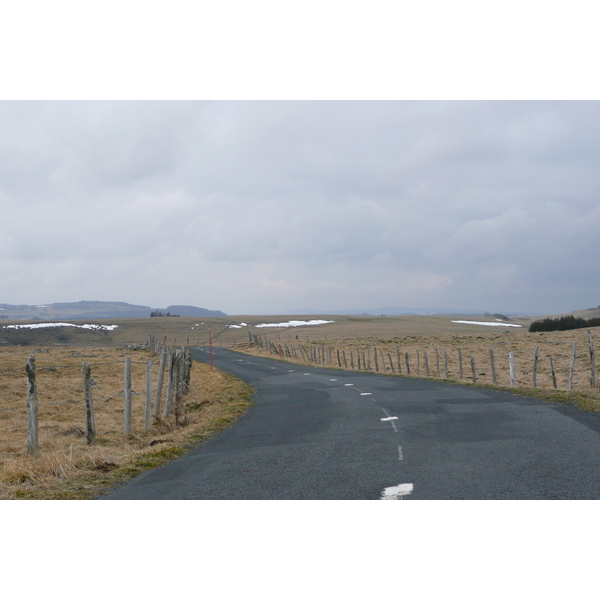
column 302, row 203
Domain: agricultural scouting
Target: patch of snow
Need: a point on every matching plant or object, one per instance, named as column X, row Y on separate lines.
column 45, row 325
column 295, row 323
column 488, row 323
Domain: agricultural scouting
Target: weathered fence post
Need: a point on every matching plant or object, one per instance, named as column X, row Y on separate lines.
column 426, row 359
column 398, row 359
column 460, row 366
column 446, row 374
column 553, row 372
column 89, row 404
column 592, row 360
column 407, row 363
column 473, row 369
column 148, row 394
column 572, row 365
column 418, row 362
column 376, row 361
column 32, row 408
column 344, row 357
column 391, row 363
column 437, row 363
column 492, row 364
column 511, row 368
column 127, row 393
column 161, row 377
column 536, row 356
column 351, row 360
column 170, row 384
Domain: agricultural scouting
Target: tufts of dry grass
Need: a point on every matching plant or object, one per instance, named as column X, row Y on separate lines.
column 557, row 345
column 66, row 466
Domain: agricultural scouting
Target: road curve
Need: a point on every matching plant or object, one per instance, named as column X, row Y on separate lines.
column 325, row 434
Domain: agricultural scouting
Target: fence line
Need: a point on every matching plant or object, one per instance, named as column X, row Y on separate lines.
column 178, row 361
column 322, row 355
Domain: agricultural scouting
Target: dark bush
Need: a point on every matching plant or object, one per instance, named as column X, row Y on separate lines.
column 563, row 324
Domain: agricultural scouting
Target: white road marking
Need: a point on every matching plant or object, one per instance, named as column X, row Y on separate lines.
column 307, row 373
column 290, row 370
column 400, row 454
column 397, row 492
column 348, row 384
column 389, row 418
column 365, row 393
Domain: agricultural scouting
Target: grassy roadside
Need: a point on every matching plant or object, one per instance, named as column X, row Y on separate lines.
column 586, row 399
column 67, row 468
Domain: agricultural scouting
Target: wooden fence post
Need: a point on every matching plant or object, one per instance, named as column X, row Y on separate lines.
column 170, row 385
column 492, row 364
column 572, row 365
column 473, row 369
column 553, row 372
column 159, row 385
column 418, row 362
column 351, row 360
column 446, row 374
column 391, row 363
column 426, row 360
column 511, row 368
column 32, row 408
column 376, row 361
column 344, row 357
column 592, row 360
column 127, row 391
column 460, row 366
column 89, row 404
column 437, row 363
column 148, row 394
column 536, row 356
column 398, row 359
column 407, row 363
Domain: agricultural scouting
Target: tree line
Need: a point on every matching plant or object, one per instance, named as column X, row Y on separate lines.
column 563, row 323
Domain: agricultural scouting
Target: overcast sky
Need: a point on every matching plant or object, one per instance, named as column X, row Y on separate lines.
column 269, row 206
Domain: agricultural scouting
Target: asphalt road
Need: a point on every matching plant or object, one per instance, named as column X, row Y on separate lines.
column 325, row 434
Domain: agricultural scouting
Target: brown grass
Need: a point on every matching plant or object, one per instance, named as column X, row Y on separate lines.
column 522, row 343
column 66, row 466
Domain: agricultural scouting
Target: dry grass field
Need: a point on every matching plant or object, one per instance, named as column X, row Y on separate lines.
column 66, row 466
column 475, row 341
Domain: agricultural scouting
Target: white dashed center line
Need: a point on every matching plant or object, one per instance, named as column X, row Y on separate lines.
column 397, row 492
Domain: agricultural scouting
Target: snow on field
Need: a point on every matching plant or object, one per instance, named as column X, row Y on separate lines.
column 295, row 323
column 43, row 325
column 488, row 323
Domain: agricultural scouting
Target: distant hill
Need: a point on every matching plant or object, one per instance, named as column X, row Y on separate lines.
column 94, row 310
column 192, row 311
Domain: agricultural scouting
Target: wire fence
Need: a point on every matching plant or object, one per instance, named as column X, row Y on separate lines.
column 491, row 365
column 163, row 382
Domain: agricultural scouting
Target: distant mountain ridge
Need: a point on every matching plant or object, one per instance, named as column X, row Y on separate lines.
column 92, row 309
